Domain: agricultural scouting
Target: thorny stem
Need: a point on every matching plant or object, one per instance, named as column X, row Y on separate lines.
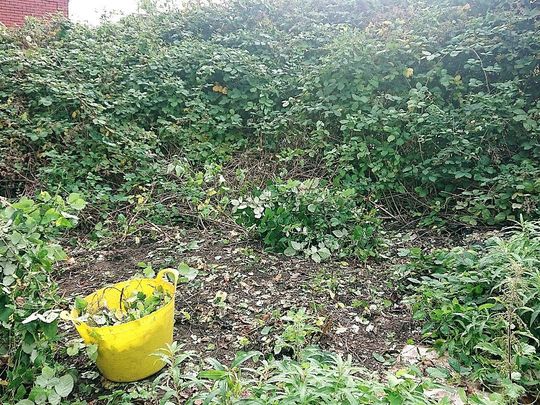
column 512, row 298
column 509, row 344
column 483, row 70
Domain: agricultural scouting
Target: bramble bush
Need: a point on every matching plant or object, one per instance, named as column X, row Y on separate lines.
column 441, row 121
column 449, row 117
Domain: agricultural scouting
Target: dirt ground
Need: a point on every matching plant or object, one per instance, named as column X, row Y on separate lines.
column 242, row 292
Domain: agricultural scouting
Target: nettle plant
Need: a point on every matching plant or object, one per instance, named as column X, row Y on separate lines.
column 301, row 328
column 310, row 218
column 483, row 309
column 28, row 299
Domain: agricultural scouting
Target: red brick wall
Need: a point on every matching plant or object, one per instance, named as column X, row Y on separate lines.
column 12, row 12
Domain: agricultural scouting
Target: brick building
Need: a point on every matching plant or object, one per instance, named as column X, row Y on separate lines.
column 12, row 12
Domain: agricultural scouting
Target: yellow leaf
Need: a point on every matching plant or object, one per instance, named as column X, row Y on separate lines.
column 74, row 114
column 218, row 88
column 408, row 72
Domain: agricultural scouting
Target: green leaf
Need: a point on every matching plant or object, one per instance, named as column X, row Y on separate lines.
column 24, row 204
column 461, row 174
column 242, row 357
column 92, row 352
column 76, row 202
column 44, row 196
column 324, row 253
column 54, row 398
column 50, row 329
column 8, row 268
column 378, row 357
column 16, row 238
column 62, row 222
column 45, row 101
column 72, row 350
column 437, row 372
column 403, row 252
column 64, row 385
column 454, row 364
column 186, row 272
column 213, row 374
column 80, row 304
column 38, row 394
column 490, row 348
column 47, row 372
column 512, row 390
column 50, row 215
column 501, row 216
column 289, row 251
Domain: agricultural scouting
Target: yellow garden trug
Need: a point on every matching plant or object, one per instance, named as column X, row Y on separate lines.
column 127, row 352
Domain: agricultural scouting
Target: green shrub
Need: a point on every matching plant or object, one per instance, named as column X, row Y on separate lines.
column 482, row 308
column 28, row 298
column 308, row 218
column 441, row 117
column 441, row 121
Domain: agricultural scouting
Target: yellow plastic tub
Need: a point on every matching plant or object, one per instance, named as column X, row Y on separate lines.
column 126, row 352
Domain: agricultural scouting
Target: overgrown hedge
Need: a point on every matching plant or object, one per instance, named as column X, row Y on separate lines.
column 419, row 106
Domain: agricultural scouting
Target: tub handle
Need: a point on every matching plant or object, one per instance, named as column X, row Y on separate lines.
column 174, row 273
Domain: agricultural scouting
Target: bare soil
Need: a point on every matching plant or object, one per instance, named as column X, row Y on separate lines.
column 242, row 292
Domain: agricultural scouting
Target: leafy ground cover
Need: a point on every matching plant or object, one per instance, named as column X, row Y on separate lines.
column 341, row 175
column 486, row 314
